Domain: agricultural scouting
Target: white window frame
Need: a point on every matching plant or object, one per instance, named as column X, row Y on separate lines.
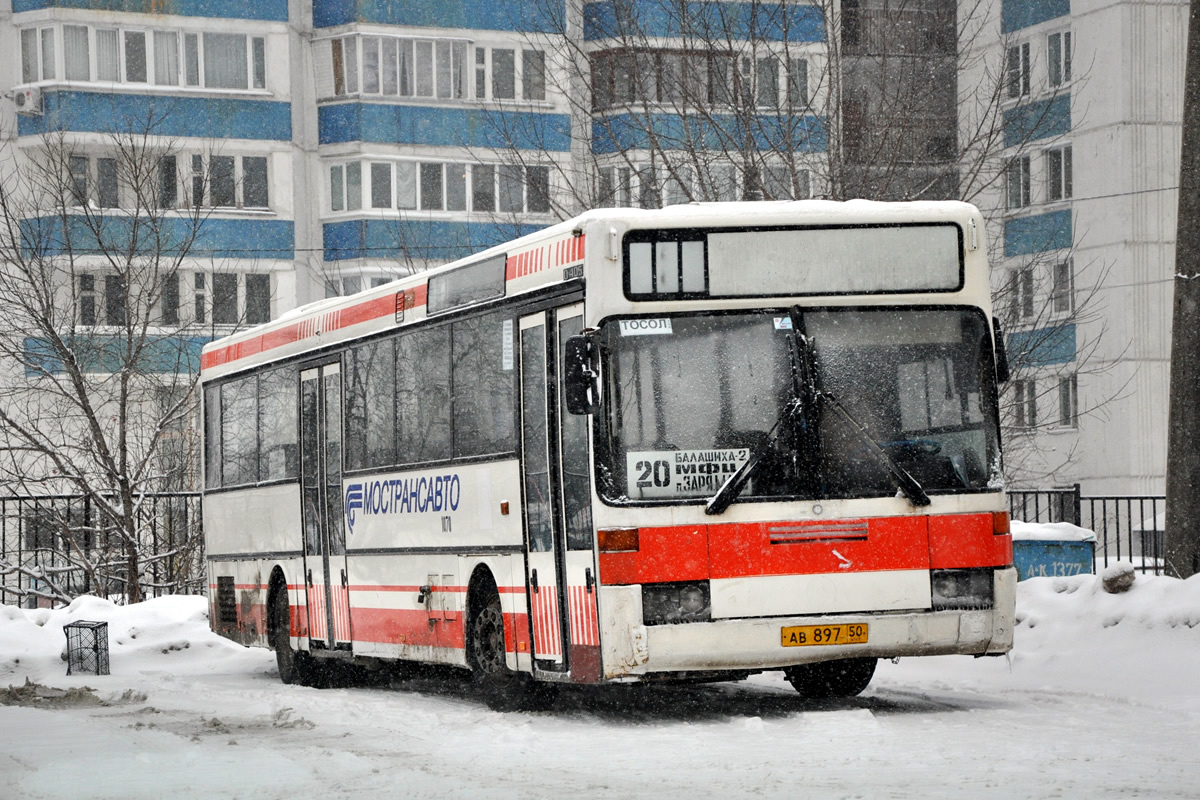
column 455, row 85
column 1025, row 415
column 1017, row 69
column 1060, row 186
column 1068, row 401
column 1058, row 65
column 205, row 177
column 1062, row 287
column 1018, row 183
column 256, row 80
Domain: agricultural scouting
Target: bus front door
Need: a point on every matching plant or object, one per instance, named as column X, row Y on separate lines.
column 328, row 597
column 557, row 490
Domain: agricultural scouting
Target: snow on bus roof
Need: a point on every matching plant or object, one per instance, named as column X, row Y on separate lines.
column 757, row 213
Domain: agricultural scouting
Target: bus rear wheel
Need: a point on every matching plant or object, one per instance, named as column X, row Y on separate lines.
column 846, row 678
column 294, row 666
column 502, row 689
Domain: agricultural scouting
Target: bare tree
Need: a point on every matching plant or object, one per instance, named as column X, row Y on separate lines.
column 98, row 404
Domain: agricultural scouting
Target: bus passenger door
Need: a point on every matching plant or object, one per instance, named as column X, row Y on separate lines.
column 328, row 598
column 543, row 533
column 575, row 492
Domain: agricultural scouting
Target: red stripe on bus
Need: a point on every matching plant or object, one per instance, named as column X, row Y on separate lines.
column 365, row 311
column 700, row 552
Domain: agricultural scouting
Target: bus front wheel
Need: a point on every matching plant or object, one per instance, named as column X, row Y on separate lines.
column 502, row 688
column 846, row 678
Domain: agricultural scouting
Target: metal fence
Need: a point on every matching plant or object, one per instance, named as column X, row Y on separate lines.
column 1128, row 528
column 65, row 542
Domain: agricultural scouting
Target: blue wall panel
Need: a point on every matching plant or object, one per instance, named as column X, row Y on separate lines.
column 268, row 10
column 621, row 132
column 1037, row 234
column 711, row 21
column 217, row 238
column 100, row 353
column 1018, row 14
column 162, row 115
column 1042, row 347
column 415, row 238
column 454, row 127
column 1040, row 120
column 490, row 15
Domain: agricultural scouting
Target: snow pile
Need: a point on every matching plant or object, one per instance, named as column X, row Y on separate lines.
column 164, row 633
column 1049, row 532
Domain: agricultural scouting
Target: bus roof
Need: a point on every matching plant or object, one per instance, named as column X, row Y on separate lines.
column 529, row 262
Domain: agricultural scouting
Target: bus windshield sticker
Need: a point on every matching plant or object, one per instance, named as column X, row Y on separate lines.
column 654, row 474
column 783, row 323
column 506, row 354
column 645, row 327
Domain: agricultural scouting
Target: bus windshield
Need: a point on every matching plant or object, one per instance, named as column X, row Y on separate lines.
column 690, row 398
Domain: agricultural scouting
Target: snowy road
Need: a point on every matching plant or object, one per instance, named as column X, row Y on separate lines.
column 1100, row 699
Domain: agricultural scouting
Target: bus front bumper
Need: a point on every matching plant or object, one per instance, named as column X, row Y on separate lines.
column 631, row 649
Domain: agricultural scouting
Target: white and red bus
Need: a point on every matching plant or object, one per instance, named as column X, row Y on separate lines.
column 682, row 444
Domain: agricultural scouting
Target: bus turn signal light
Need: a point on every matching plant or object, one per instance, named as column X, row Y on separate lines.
column 1000, row 525
column 617, row 540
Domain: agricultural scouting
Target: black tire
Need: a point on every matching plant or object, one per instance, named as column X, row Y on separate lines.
column 294, row 667
column 501, row 688
column 846, row 678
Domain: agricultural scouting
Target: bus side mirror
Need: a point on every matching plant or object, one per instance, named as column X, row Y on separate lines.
column 581, row 389
column 1002, row 372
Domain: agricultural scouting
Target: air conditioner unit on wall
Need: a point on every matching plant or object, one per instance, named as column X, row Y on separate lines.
column 28, row 100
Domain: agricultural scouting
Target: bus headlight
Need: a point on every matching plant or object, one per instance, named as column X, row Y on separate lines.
column 670, row 603
column 961, row 589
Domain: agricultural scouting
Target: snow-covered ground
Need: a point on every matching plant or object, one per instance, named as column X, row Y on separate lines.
column 1100, row 698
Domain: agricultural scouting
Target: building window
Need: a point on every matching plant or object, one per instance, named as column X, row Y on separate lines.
column 391, row 67
column 135, row 56
column 230, row 181
column 1062, row 287
column 1017, row 70
column 1068, row 401
column 254, row 182
column 87, row 300
column 258, row 299
column 442, row 186
column 504, row 70
column 533, row 75
column 226, row 60
column 1058, row 57
column 78, row 179
column 107, row 189
column 695, row 78
column 1058, row 174
column 115, row 300
column 614, row 186
column 225, row 298
column 1017, row 179
column 76, row 53
column 200, row 297
column 169, row 301
column 798, row 82
column 766, row 86
column 168, row 182
column 1024, row 403
column 1020, row 294
column 381, row 186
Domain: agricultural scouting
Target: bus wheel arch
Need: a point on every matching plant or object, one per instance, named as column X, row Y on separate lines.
column 503, row 689
column 293, row 665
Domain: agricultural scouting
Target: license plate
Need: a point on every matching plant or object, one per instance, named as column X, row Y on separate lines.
column 804, row 635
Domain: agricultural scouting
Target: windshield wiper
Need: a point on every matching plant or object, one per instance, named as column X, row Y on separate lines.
column 907, row 483
column 806, row 396
column 735, row 483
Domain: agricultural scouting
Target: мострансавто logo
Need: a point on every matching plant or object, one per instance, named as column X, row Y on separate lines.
column 429, row 494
